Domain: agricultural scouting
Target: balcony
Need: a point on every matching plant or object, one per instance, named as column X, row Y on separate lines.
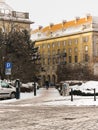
column 20, row 15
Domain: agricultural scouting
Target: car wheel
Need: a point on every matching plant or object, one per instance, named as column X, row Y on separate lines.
column 13, row 95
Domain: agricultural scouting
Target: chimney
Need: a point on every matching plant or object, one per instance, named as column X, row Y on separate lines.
column 63, row 22
column 77, row 18
column 40, row 27
column 51, row 25
column 88, row 16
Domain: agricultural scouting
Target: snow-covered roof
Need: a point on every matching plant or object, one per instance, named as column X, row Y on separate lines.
column 79, row 25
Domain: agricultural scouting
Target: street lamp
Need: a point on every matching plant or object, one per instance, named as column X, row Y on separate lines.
column 35, row 57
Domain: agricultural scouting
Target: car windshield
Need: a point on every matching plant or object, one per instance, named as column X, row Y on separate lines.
column 4, row 84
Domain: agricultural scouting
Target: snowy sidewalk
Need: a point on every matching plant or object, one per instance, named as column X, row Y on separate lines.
column 53, row 98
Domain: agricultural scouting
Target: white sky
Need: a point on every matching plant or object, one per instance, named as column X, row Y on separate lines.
column 44, row 12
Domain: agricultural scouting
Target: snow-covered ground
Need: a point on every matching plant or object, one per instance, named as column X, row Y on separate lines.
column 55, row 98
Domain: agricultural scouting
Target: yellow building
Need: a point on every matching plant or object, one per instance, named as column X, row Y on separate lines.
column 70, row 42
column 11, row 19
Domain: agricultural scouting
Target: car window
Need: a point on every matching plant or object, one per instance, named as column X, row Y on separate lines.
column 4, row 84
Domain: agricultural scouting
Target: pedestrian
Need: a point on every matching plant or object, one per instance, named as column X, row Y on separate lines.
column 47, row 84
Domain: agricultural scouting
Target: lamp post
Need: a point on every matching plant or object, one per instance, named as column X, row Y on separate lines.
column 35, row 57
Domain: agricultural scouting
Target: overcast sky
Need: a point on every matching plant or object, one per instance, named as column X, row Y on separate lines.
column 44, row 12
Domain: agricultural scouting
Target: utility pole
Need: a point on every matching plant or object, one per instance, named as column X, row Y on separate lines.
column 35, row 57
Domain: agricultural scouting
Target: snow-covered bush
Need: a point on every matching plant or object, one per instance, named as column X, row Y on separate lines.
column 86, row 89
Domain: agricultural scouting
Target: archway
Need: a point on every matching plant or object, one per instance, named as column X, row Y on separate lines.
column 53, row 79
column 48, row 77
column 43, row 80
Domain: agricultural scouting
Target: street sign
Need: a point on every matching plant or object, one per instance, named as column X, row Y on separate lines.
column 8, row 71
column 8, row 65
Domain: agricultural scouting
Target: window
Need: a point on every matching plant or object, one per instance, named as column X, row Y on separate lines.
column 48, row 45
column 69, row 42
column 85, row 39
column 43, row 61
column 53, row 60
column 86, row 57
column 39, row 34
column 76, row 59
column 70, row 50
column 58, row 51
column 58, row 43
column 76, row 49
column 86, row 48
column 70, row 59
column 53, row 52
column 48, row 53
column 53, row 45
column 48, row 61
column 64, row 43
column 7, row 12
column 76, row 41
column 64, row 50
column 43, row 46
column 59, row 60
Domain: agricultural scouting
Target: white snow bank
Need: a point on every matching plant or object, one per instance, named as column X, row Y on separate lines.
column 87, row 86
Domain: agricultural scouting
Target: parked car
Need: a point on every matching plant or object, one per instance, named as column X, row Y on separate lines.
column 7, row 90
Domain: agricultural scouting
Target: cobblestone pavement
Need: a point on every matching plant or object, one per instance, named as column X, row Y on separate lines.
column 28, row 115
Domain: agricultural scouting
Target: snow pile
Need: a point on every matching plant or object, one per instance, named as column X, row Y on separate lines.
column 87, row 87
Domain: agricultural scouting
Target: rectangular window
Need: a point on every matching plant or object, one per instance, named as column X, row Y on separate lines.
column 76, row 41
column 58, row 51
column 70, row 50
column 86, row 58
column 48, row 61
column 69, row 42
column 43, row 46
column 53, row 45
column 70, row 59
column 76, row 59
column 53, row 60
column 59, row 44
column 85, row 39
column 59, row 60
column 43, row 61
column 48, row 45
column 86, row 48
column 64, row 43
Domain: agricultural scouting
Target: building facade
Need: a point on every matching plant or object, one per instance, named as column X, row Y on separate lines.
column 70, row 42
column 11, row 19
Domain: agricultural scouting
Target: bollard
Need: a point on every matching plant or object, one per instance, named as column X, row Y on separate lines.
column 71, row 94
column 34, row 88
column 17, row 85
column 94, row 94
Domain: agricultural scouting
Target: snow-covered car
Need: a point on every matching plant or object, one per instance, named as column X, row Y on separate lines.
column 7, row 90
